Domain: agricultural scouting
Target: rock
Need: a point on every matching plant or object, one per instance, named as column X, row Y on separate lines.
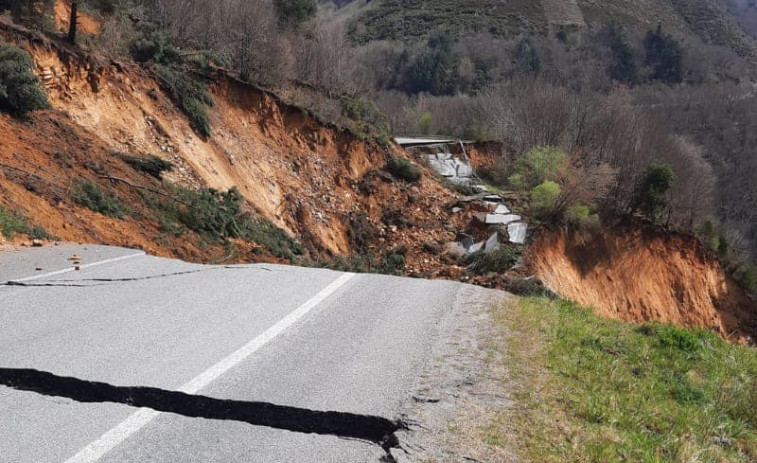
column 37, row 243
column 457, row 210
column 492, row 244
column 517, row 232
column 502, row 210
column 496, row 219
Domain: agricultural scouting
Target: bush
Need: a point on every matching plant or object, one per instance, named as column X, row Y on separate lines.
column 155, row 45
column 623, row 68
column 295, row 12
column 150, row 165
column 218, row 216
column 403, row 169
column 664, row 56
column 189, row 94
column 499, row 260
column 11, row 224
column 19, row 89
column 366, row 119
column 538, row 165
column 654, row 184
column 89, row 194
column 545, row 199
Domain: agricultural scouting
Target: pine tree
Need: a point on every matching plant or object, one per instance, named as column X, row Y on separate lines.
column 664, row 56
column 623, row 68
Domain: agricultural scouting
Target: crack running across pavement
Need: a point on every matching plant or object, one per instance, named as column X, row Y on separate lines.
column 367, row 428
column 78, row 283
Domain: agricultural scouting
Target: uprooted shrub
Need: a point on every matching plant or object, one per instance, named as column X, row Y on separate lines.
column 90, row 195
column 497, row 261
column 218, row 216
column 150, row 165
column 403, row 169
column 189, row 94
column 20, row 92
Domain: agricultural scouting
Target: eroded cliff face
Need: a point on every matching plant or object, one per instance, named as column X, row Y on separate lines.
column 639, row 273
column 309, row 178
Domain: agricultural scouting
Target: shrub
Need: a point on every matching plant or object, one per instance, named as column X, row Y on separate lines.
column 654, row 183
column 19, row 89
column 218, row 216
column 366, row 119
column 11, row 224
column 295, row 12
column 150, row 165
column 538, row 165
column 545, row 199
column 403, row 169
column 623, row 68
column 89, row 194
column 499, row 260
column 155, row 45
column 189, row 94
column 664, row 56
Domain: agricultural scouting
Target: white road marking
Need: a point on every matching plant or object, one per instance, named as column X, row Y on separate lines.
column 111, row 439
column 81, row 267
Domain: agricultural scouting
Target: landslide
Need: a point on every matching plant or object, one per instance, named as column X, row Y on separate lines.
column 637, row 273
column 316, row 181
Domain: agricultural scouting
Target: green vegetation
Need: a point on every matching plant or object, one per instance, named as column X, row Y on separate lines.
column 664, row 56
column 390, row 262
column 593, row 389
column 526, row 58
column 295, row 12
column 537, row 166
column 654, row 184
column 20, row 92
column 417, row 19
column 218, row 216
column 150, row 165
column 190, row 94
column 90, row 195
column 403, row 169
column 497, row 261
column 365, row 120
column 623, row 68
column 545, row 199
column 12, row 224
column 433, row 71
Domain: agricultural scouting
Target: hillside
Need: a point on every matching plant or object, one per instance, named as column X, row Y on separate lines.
column 709, row 20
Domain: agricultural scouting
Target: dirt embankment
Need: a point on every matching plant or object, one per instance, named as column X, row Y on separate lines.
column 639, row 273
column 312, row 179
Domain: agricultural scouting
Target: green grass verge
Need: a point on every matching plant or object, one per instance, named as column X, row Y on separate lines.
column 598, row 390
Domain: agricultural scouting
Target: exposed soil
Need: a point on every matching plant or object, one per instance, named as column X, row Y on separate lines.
column 640, row 273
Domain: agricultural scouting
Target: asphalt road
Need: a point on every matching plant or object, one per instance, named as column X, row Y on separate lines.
column 256, row 363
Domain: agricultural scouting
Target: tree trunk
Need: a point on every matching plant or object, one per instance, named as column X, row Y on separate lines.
column 72, row 24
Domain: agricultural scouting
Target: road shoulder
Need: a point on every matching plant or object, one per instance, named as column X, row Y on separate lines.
column 462, row 389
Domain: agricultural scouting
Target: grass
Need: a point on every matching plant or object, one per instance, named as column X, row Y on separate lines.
column 597, row 390
column 12, row 224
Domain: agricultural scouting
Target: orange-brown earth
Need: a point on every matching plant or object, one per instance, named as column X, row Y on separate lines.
column 633, row 272
column 316, row 181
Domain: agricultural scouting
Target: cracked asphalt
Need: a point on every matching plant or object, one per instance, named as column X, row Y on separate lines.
column 232, row 363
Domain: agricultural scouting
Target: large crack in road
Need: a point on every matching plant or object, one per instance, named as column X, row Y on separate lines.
column 368, row 428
